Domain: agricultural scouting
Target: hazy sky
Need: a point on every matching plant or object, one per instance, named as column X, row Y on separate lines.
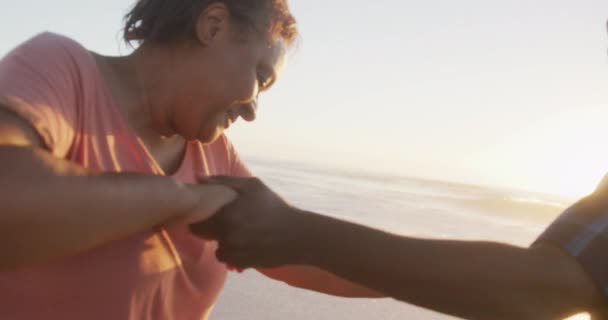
column 504, row 92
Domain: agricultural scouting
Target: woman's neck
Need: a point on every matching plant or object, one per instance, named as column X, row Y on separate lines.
column 141, row 91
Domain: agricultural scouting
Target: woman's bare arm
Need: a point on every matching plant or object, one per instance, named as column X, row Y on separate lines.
column 51, row 207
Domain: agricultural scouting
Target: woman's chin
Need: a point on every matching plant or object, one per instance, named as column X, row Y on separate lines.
column 209, row 136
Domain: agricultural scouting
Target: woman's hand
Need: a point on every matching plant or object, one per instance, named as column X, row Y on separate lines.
column 209, row 198
column 259, row 229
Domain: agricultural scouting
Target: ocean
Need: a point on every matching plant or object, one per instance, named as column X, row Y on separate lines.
column 407, row 206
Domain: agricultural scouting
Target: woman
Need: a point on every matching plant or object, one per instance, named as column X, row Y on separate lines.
column 562, row 274
column 99, row 158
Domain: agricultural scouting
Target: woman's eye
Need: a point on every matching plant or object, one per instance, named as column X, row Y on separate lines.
column 262, row 82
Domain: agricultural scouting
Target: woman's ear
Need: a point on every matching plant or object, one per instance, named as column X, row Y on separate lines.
column 212, row 23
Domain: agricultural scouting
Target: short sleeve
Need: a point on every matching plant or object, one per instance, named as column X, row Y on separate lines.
column 582, row 232
column 38, row 82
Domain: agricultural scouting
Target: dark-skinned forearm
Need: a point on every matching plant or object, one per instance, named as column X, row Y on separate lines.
column 475, row 280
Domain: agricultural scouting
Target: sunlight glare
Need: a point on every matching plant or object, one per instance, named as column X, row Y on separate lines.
column 580, row 316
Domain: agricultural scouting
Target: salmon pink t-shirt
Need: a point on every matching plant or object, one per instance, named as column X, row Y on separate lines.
column 54, row 83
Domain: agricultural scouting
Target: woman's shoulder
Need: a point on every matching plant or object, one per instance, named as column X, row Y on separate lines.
column 45, row 80
column 51, row 43
column 51, row 52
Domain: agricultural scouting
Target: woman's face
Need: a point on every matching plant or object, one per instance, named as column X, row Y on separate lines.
column 221, row 79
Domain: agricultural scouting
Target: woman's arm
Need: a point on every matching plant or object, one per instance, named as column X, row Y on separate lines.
column 51, row 207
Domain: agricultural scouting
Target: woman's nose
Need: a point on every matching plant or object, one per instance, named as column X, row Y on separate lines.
column 248, row 110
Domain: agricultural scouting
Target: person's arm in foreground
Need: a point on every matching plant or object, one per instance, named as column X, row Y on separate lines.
column 476, row 280
column 51, row 207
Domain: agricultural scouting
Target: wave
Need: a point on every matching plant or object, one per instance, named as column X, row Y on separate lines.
column 353, row 192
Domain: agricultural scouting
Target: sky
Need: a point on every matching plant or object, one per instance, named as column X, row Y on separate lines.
column 508, row 93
